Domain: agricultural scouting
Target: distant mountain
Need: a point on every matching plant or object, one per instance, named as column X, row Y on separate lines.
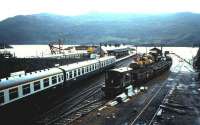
column 178, row 28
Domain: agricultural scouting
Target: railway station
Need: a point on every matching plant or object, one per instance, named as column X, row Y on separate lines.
column 120, row 87
column 100, row 62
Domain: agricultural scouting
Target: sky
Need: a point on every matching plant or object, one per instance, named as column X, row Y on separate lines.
column 9, row 8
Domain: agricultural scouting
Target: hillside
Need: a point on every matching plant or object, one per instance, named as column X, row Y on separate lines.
column 179, row 28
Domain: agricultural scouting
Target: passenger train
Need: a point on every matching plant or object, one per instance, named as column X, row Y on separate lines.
column 18, row 87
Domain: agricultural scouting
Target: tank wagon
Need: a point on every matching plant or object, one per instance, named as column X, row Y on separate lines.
column 21, row 86
column 140, row 71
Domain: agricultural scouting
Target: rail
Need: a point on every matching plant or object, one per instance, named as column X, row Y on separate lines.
column 181, row 58
column 82, row 106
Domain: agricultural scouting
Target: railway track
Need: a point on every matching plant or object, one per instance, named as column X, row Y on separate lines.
column 165, row 98
column 68, row 105
column 147, row 114
column 78, row 112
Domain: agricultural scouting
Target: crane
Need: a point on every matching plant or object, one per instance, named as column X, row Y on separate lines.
column 57, row 49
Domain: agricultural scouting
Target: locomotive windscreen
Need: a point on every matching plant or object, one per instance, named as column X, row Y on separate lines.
column 113, row 78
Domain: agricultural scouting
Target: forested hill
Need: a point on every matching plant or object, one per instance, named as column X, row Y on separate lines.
column 179, row 28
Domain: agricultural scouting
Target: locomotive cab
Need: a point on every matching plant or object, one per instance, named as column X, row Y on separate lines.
column 116, row 80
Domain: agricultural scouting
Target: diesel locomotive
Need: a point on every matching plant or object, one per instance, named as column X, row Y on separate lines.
column 142, row 69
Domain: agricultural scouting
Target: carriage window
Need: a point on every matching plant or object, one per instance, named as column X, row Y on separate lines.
column 62, row 77
column 54, row 79
column 46, row 82
column 59, row 78
column 67, row 75
column 91, row 67
column 82, row 70
column 36, row 85
column 79, row 71
column 70, row 74
column 97, row 65
column 1, row 97
column 26, row 89
column 75, row 73
column 13, row 93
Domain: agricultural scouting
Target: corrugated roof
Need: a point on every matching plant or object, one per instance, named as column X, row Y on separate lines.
column 84, row 63
column 113, row 48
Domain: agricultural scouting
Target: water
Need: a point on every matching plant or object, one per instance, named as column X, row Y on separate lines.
column 22, row 51
column 30, row 50
column 187, row 53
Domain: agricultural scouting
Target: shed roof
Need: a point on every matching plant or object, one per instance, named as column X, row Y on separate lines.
column 122, row 69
